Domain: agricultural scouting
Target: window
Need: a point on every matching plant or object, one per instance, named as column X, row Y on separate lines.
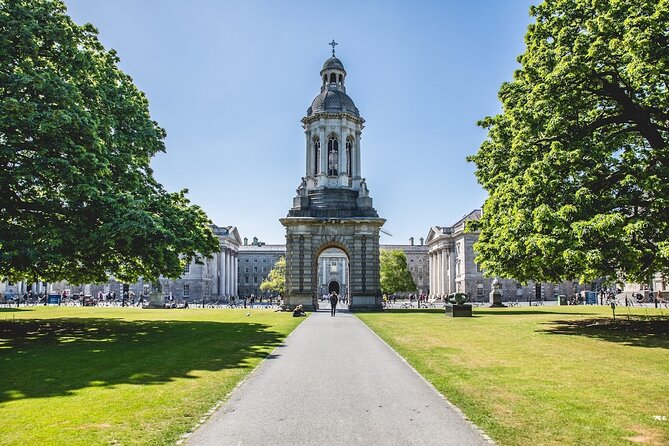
column 255, row 269
column 187, row 268
column 247, row 279
column 255, row 279
column 333, row 267
column 246, row 260
column 255, row 260
column 479, row 289
column 246, row 269
column 333, row 156
column 186, row 290
column 411, row 260
column 264, row 269
column 264, row 260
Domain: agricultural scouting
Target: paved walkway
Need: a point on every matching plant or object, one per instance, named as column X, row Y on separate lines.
column 334, row 382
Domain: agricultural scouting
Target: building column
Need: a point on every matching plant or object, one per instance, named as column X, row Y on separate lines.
column 430, row 269
column 453, row 272
column 309, row 150
column 435, row 269
column 442, row 272
column 356, row 155
column 324, row 152
column 229, row 271
column 235, row 274
column 226, row 272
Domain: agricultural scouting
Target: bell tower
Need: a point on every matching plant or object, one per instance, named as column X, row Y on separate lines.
column 332, row 207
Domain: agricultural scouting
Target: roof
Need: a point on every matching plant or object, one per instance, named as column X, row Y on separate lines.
column 333, row 64
column 333, row 100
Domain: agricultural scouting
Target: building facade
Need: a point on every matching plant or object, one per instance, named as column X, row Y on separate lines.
column 417, row 262
column 453, row 269
column 256, row 260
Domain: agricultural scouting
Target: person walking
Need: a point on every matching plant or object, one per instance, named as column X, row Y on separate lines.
column 333, row 303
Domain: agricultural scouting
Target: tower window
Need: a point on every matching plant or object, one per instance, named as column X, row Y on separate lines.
column 333, row 78
column 333, row 156
column 317, row 156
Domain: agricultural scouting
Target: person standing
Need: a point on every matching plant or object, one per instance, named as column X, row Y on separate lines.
column 333, row 303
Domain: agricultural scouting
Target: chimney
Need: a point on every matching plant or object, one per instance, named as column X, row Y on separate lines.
column 246, row 241
column 421, row 241
column 411, row 241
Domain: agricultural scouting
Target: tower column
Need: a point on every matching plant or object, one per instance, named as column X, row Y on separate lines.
column 309, row 153
column 356, row 156
column 324, row 151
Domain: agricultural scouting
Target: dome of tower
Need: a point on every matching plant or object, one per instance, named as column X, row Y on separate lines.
column 333, row 63
column 333, row 100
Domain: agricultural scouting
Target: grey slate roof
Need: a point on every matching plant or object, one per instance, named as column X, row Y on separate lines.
column 332, row 99
column 333, row 63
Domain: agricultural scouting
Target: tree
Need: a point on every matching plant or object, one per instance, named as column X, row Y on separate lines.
column 395, row 276
column 276, row 279
column 576, row 165
column 78, row 200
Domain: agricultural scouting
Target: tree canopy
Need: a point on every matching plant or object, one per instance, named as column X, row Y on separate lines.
column 395, row 276
column 576, row 165
column 276, row 279
column 78, row 200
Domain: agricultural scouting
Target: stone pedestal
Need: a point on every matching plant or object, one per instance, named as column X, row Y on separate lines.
column 496, row 299
column 156, row 300
column 459, row 310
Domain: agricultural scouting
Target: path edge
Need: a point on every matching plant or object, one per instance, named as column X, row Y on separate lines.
column 207, row 415
column 459, row 411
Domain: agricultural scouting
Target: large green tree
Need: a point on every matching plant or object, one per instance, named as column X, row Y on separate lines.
column 577, row 163
column 78, row 200
column 395, row 275
column 276, row 279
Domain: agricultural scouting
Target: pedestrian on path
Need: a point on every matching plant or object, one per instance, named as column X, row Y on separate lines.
column 333, row 303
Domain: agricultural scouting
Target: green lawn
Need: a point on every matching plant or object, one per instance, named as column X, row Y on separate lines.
column 544, row 376
column 87, row 376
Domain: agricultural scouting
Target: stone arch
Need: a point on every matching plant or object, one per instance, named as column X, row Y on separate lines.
column 318, row 250
column 356, row 237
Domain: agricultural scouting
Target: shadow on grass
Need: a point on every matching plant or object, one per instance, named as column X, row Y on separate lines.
column 54, row 357
column 517, row 311
column 650, row 332
column 12, row 309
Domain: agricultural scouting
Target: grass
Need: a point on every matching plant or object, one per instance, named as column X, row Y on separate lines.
column 544, row 376
column 87, row 376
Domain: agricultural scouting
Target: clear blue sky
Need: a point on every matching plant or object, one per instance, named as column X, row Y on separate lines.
column 230, row 81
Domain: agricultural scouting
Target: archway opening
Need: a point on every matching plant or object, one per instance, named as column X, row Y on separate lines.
column 333, row 275
column 333, row 287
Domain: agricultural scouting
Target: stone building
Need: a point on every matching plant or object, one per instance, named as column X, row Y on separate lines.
column 333, row 273
column 214, row 279
column 454, row 270
column 417, row 262
column 255, row 262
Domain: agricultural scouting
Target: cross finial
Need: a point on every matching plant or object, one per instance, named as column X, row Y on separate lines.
column 333, row 44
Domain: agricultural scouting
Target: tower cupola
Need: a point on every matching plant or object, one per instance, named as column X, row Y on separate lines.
column 333, row 183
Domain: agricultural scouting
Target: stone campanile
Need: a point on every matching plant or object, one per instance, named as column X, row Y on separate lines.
column 332, row 208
